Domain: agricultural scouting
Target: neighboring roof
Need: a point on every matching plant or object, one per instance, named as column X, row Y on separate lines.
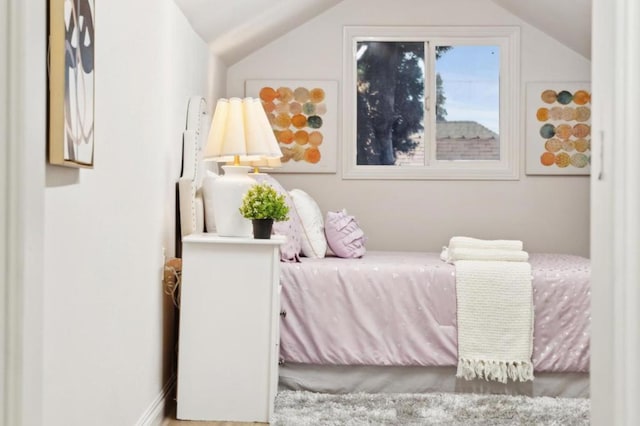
column 235, row 28
column 463, row 130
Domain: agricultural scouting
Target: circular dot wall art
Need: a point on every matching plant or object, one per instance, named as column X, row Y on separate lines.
column 303, row 116
column 558, row 132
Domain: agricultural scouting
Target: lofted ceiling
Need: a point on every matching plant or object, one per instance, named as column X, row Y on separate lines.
column 236, row 28
column 568, row 21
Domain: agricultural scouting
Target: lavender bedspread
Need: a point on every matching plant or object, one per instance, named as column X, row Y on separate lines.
column 399, row 308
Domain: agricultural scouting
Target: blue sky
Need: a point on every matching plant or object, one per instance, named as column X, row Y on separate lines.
column 471, row 84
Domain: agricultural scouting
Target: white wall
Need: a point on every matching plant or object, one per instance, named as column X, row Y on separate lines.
column 217, row 79
column 615, row 207
column 108, row 345
column 549, row 213
column 5, row 246
column 26, row 125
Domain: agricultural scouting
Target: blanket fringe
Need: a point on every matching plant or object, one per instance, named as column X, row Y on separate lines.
column 500, row 371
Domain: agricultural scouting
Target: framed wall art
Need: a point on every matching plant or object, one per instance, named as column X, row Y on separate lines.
column 558, row 128
column 303, row 114
column 71, row 82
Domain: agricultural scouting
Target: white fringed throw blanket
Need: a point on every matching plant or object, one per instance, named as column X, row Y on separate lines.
column 495, row 320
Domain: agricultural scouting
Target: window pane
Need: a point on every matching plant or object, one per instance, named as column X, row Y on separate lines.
column 467, row 102
column 390, row 103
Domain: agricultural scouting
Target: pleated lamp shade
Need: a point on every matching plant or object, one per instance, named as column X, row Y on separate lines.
column 240, row 131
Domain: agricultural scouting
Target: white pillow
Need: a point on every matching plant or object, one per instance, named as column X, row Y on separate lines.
column 313, row 241
column 207, row 195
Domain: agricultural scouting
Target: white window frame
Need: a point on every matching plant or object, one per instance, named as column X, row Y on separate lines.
column 507, row 168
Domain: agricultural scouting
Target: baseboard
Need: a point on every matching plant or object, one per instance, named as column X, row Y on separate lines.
column 154, row 415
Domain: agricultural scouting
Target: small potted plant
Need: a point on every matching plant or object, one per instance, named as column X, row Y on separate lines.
column 263, row 205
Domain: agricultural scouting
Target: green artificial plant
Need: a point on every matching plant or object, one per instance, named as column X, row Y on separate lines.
column 262, row 201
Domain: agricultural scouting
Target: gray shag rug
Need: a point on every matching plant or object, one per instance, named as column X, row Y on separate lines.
column 299, row 408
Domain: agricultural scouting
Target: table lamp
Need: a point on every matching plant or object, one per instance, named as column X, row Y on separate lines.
column 240, row 133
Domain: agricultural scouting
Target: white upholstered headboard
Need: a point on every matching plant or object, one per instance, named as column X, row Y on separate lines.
column 194, row 139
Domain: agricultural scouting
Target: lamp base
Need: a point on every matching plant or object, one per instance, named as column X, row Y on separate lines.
column 228, row 191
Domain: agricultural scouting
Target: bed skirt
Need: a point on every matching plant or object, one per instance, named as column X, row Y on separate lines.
column 400, row 379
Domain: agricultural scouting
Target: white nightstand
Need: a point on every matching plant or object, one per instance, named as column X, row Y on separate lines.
column 229, row 315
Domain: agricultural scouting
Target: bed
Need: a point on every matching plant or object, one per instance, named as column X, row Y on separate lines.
column 386, row 322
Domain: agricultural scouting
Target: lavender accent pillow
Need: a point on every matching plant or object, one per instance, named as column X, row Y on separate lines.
column 292, row 228
column 344, row 236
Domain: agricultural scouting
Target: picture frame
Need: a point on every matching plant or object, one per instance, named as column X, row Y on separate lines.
column 558, row 128
column 304, row 117
column 71, row 112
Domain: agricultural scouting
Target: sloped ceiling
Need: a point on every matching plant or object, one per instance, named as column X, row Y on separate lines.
column 235, row 28
column 568, row 21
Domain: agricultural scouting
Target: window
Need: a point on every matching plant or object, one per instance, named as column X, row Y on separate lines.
column 431, row 103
